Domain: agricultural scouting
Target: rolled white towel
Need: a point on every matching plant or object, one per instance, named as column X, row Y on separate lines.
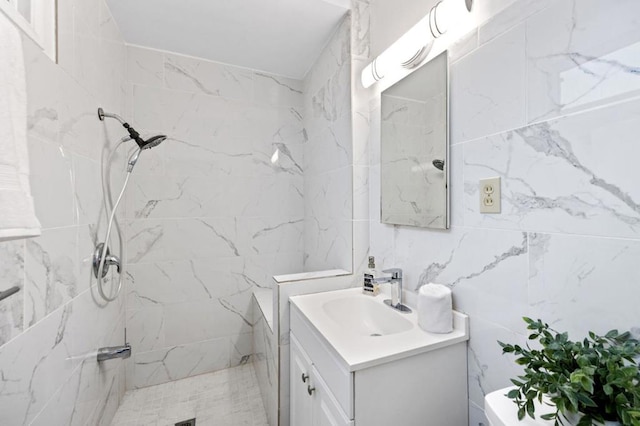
column 435, row 308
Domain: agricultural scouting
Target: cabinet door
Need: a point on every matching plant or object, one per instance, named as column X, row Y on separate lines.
column 326, row 410
column 300, row 381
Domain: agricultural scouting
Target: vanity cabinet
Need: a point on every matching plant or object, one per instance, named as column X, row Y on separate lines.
column 312, row 403
column 331, row 386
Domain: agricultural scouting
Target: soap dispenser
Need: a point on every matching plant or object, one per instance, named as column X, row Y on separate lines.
column 369, row 285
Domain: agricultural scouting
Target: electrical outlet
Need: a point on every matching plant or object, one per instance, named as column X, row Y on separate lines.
column 490, row 195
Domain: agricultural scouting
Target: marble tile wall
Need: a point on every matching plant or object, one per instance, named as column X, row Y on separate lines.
column 328, row 156
column 545, row 95
column 265, row 358
column 212, row 213
column 50, row 330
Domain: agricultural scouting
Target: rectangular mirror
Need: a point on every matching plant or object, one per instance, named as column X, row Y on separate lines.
column 415, row 148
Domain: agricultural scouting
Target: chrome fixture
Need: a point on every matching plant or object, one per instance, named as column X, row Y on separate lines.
column 102, row 258
column 149, row 143
column 7, row 293
column 396, row 293
column 112, row 352
column 110, row 260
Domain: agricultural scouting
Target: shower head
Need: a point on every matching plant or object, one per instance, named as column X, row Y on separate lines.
column 148, row 144
column 438, row 164
column 153, row 141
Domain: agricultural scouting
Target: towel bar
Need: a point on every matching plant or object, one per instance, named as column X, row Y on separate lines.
column 7, row 293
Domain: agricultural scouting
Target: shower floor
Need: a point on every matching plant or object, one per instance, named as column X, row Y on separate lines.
column 227, row 397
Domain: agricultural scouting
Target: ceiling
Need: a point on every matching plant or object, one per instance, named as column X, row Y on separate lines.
column 282, row 37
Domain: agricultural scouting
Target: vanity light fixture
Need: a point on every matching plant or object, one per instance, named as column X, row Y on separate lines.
column 410, row 49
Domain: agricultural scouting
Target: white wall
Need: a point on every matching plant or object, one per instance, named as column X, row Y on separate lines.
column 211, row 213
column 50, row 330
column 328, row 156
column 545, row 95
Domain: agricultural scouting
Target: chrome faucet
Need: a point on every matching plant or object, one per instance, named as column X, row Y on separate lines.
column 112, row 352
column 396, row 292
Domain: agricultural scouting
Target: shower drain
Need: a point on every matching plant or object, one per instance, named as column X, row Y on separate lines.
column 190, row 422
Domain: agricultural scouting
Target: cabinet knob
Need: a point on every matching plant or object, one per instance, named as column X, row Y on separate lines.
column 304, row 378
column 310, row 389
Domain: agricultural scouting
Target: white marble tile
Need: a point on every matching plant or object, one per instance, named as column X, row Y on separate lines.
column 509, row 17
column 43, row 93
column 156, row 284
column 210, row 78
column 145, row 328
column 361, row 193
column 51, row 268
column 66, row 56
column 276, row 90
column 145, row 66
column 335, row 56
column 463, row 46
column 329, row 149
column 52, row 184
column 32, row 367
column 486, row 99
column 361, row 28
column 477, row 416
column 560, row 176
column 226, row 397
column 270, row 235
column 264, row 365
column 328, row 243
column 11, row 275
column 329, row 194
column 361, row 138
column 178, row 362
column 581, row 54
column 108, row 26
column 181, row 239
column 456, row 185
column 86, row 14
column 241, row 348
column 225, row 315
column 489, row 369
column 582, row 284
column 485, row 269
column 79, row 124
column 87, row 190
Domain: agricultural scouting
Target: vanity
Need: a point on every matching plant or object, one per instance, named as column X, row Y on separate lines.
column 356, row 361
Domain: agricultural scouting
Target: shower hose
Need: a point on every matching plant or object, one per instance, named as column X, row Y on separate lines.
column 111, row 209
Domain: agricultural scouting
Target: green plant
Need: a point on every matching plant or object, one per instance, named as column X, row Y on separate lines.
column 598, row 377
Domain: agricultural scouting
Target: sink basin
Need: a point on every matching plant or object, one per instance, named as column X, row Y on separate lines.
column 363, row 331
column 365, row 317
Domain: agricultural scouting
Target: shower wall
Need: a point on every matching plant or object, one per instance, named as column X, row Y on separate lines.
column 328, row 173
column 212, row 213
column 50, row 330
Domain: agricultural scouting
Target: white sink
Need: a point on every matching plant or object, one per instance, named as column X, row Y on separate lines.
column 365, row 317
column 365, row 332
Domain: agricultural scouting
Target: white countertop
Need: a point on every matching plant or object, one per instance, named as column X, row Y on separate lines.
column 360, row 351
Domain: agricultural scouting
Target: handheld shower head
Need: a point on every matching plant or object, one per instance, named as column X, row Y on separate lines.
column 148, row 144
column 153, row 141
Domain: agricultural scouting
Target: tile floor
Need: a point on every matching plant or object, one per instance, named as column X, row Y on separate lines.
column 229, row 397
